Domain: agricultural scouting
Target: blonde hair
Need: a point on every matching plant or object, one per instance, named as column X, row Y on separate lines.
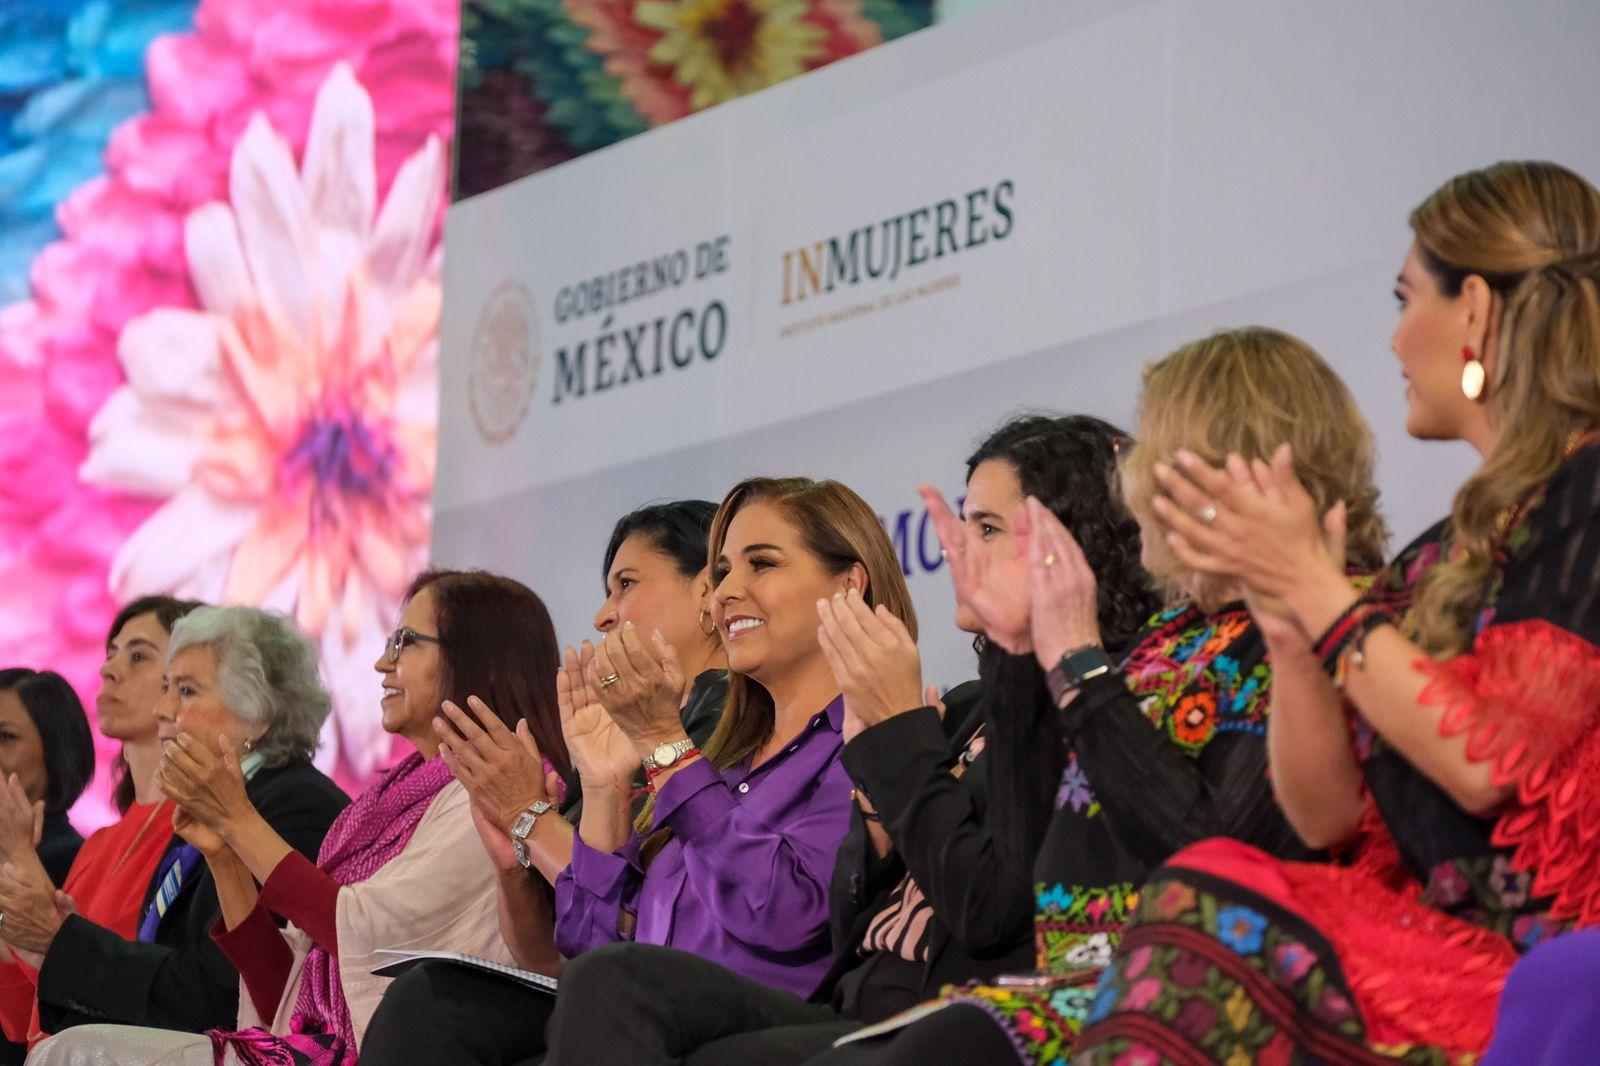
column 840, row 529
column 1531, row 230
column 1247, row 391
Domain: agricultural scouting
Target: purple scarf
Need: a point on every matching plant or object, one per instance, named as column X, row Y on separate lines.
column 365, row 836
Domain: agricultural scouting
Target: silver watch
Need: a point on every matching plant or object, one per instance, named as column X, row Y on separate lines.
column 522, row 827
column 667, row 754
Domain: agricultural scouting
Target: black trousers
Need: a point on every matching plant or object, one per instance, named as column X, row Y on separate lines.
column 441, row 1013
column 654, row 1006
column 651, row 1006
column 641, row 1005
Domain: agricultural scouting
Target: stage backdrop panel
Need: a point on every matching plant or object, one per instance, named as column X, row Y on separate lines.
column 858, row 273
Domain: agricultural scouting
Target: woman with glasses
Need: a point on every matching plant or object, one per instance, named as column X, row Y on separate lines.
column 402, row 867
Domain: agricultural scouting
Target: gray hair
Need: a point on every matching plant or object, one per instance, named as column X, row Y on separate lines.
column 267, row 670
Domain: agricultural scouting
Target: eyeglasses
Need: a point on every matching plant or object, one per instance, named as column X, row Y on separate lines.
column 400, row 638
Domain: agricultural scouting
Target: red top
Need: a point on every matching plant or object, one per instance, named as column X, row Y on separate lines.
column 299, row 892
column 108, row 883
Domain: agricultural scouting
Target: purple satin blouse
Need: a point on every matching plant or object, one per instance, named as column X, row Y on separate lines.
column 744, row 879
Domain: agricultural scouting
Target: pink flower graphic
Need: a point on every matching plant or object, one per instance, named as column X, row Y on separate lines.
column 125, row 255
column 288, row 424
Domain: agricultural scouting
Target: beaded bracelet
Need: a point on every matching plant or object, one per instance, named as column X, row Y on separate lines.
column 1343, row 640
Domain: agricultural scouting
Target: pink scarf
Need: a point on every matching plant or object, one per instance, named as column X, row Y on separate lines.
column 365, row 836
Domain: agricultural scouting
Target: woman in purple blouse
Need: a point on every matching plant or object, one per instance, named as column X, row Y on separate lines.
column 733, row 855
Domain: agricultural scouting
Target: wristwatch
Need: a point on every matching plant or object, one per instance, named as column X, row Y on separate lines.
column 668, row 754
column 1076, row 667
column 522, row 827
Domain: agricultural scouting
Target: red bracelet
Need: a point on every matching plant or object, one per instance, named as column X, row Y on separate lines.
column 652, row 772
column 1346, row 636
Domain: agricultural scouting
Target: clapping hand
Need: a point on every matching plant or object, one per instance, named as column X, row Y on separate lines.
column 208, row 785
column 873, row 657
column 496, row 841
column 1065, row 611
column 602, row 753
column 206, row 841
column 641, row 688
column 1252, row 521
column 21, row 820
column 502, row 771
column 995, row 587
column 28, row 902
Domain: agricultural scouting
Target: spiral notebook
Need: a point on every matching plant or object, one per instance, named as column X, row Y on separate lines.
column 405, row 960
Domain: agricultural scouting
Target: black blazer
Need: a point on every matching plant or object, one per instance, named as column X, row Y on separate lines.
column 183, row 980
column 983, row 918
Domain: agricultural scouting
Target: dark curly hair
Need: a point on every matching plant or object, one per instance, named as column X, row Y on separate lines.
column 1069, row 463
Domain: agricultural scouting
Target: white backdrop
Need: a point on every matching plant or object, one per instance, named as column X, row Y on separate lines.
column 1070, row 190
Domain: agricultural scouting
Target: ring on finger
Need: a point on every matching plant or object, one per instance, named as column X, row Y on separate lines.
column 609, row 680
column 1208, row 513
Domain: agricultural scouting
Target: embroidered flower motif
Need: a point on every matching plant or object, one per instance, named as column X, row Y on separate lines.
column 1142, row 994
column 1239, row 1009
column 1138, row 1055
column 1030, row 1026
column 1195, row 1020
column 1224, row 633
column 1294, row 959
column 1278, row 1052
column 1447, row 886
column 1074, row 790
column 1529, row 931
column 1055, row 898
column 1195, row 719
column 1138, row 959
column 1073, row 1002
column 1188, row 644
column 1095, row 950
column 288, row 425
column 1188, row 970
column 1240, row 928
column 1508, row 883
column 1334, row 1006
column 1174, row 899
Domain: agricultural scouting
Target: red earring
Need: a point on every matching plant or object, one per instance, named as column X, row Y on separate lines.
column 1472, row 375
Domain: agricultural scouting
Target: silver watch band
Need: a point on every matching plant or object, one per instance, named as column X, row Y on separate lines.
column 523, row 828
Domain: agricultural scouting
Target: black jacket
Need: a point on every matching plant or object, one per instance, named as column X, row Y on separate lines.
column 983, row 919
column 183, row 980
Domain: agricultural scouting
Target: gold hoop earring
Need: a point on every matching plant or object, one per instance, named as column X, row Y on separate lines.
column 708, row 632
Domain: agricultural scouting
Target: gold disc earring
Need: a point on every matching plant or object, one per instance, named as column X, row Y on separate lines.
column 1472, row 375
